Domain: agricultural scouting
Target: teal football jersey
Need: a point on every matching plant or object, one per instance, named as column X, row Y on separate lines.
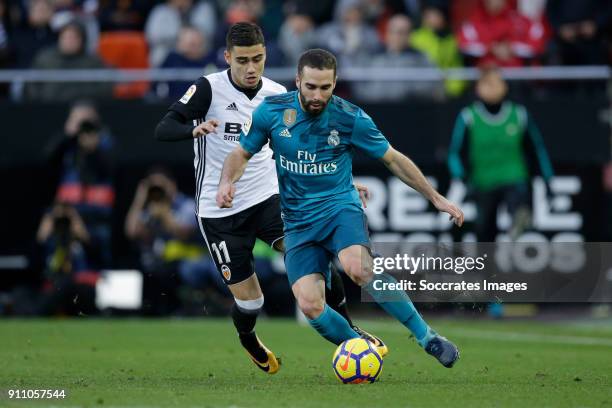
column 313, row 154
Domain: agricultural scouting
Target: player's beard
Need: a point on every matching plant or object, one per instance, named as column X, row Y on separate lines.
column 307, row 105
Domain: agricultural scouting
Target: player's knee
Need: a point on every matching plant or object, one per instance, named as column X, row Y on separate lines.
column 359, row 272
column 312, row 307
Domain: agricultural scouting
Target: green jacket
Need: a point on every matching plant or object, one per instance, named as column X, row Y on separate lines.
column 442, row 51
column 493, row 150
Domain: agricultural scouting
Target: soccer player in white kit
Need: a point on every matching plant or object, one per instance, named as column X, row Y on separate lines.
column 212, row 113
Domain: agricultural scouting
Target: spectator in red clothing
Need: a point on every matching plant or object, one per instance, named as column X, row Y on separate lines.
column 496, row 34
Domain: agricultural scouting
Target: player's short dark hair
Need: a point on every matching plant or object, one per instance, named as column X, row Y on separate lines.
column 317, row 58
column 244, row 35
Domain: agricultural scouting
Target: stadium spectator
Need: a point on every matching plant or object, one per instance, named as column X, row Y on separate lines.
column 377, row 13
column 534, row 10
column 192, row 51
column 398, row 54
column 436, row 40
column 69, row 282
column 272, row 18
column 123, row 15
column 320, row 12
column 4, row 33
column 496, row 34
column 496, row 147
column 161, row 222
column 82, row 159
column 579, row 29
column 269, row 14
column 35, row 33
column 85, row 12
column 349, row 37
column 247, row 11
column 165, row 21
column 70, row 53
column 6, row 52
column 297, row 34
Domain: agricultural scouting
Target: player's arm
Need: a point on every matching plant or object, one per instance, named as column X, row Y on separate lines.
column 364, row 193
column 253, row 137
column 535, row 150
column 405, row 169
column 178, row 124
column 458, row 159
column 233, row 168
column 174, row 127
column 368, row 138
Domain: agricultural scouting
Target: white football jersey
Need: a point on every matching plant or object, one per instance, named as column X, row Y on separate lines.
column 232, row 108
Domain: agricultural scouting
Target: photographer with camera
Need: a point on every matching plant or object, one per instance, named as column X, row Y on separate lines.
column 68, row 282
column 80, row 164
column 161, row 222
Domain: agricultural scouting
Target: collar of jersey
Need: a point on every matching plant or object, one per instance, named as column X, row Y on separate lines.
column 245, row 91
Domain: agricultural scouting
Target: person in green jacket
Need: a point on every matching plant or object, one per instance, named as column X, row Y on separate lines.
column 494, row 147
column 436, row 40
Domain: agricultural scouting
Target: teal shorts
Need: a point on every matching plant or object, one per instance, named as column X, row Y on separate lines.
column 310, row 250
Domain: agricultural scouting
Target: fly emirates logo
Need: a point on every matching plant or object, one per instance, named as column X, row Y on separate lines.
column 306, row 164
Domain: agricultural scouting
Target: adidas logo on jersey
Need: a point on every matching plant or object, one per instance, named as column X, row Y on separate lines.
column 232, row 106
column 285, row 133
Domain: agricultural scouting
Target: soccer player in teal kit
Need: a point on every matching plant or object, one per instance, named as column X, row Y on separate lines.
column 313, row 134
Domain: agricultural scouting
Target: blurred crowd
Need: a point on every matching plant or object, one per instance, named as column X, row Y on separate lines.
column 67, row 34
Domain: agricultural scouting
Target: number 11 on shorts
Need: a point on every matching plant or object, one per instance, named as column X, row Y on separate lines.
column 218, row 250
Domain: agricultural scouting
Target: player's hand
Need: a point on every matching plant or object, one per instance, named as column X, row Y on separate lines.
column 364, row 194
column 210, row 126
column 225, row 195
column 456, row 215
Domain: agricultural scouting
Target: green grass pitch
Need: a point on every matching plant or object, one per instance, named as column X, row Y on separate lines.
column 199, row 363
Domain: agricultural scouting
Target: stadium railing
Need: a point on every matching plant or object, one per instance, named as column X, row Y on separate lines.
column 288, row 74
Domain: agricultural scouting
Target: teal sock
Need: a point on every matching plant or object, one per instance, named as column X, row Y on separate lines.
column 401, row 308
column 331, row 325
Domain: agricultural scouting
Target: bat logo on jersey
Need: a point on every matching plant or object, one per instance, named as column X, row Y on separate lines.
column 226, row 272
column 289, row 117
column 232, row 131
column 333, row 140
column 188, row 94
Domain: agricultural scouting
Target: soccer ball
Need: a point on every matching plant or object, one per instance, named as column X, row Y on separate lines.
column 357, row 361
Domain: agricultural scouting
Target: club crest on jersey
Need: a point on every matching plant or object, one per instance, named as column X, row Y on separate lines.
column 511, row 129
column 226, row 272
column 333, row 139
column 188, row 94
column 289, row 117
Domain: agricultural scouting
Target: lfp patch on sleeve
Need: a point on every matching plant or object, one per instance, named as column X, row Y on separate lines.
column 247, row 126
column 188, row 94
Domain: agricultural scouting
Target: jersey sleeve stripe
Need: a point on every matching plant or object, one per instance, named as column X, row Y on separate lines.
column 201, row 165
